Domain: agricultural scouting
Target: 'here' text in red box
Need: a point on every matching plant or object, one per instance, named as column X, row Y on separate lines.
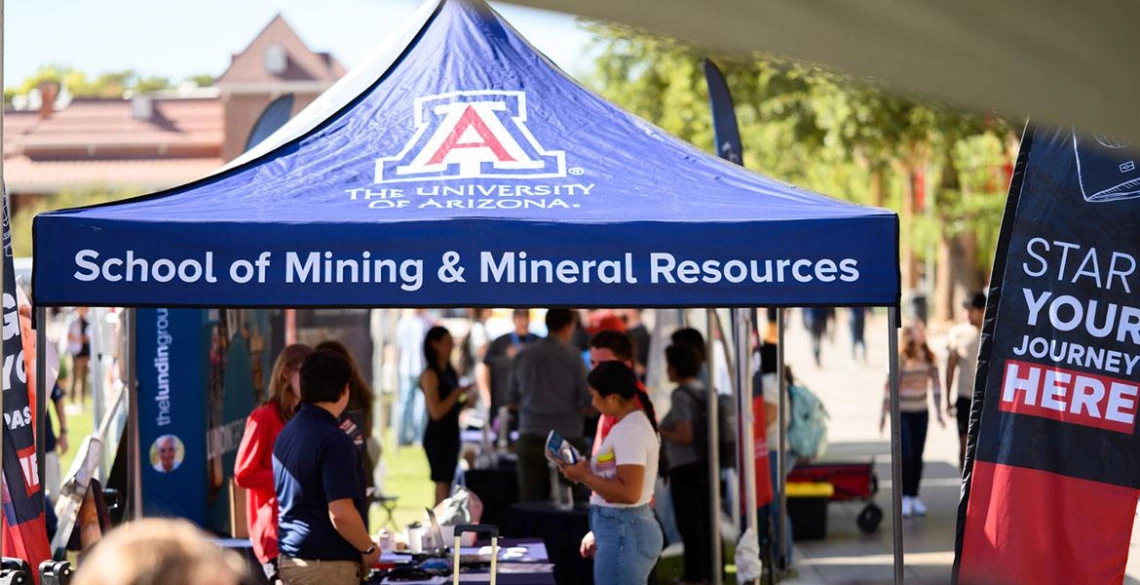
column 1070, row 397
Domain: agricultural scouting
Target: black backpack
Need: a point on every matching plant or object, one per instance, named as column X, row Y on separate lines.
column 726, row 426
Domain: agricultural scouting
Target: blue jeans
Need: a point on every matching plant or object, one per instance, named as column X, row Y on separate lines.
column 629, row 543
column 411, row 412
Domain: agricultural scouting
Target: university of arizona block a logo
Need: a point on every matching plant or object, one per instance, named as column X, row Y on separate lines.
column 471, row 134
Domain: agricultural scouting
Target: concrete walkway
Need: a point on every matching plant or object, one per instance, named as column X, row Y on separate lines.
column 853, row 394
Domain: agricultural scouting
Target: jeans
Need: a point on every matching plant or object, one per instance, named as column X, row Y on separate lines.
column 913, row 427
column 769, row 514
column 629, row 542
column 665, row 510
column 411, row 412
column 690, row 486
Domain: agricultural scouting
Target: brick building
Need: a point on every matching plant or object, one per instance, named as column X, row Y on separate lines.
column 159, row 140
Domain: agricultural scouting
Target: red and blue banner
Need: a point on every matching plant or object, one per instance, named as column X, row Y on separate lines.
column 24, row 532
column 1053, row 460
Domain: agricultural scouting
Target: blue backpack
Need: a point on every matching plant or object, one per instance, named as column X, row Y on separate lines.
column 807, row 431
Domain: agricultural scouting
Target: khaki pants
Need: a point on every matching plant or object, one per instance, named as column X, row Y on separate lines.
column 302, row 572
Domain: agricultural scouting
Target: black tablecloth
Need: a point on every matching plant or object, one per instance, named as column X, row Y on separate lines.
column 561, row 531
column 498, row 489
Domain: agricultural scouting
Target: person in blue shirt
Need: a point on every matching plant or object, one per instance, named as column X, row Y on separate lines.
column 319, row 483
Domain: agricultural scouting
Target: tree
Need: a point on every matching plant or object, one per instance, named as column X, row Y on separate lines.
column 203, row 80
column 112, row 84
column 834, row 134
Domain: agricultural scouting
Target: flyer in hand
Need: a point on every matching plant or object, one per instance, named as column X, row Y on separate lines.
column 559, row 451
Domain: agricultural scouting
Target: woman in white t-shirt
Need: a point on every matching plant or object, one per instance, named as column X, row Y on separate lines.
column 627, row 536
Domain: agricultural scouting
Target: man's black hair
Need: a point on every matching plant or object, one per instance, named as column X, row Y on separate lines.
column 617, row 342
column 692, row 338
column 683, row 359
column 324, row 377
column 559, row 319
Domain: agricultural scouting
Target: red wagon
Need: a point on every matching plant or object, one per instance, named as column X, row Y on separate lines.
column 850, row 481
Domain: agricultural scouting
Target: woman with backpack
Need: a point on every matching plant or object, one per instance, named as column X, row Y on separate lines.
column 918, row 373
column 687, row 452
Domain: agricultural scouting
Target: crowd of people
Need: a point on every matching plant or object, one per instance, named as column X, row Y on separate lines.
column 307, row 470
column 596, row 401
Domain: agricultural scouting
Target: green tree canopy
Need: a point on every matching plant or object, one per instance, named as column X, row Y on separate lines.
column 829, row 132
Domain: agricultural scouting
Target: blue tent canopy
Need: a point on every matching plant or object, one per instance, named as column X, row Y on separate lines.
column 460, row 167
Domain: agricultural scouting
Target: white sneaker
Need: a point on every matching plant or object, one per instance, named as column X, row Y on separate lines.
column 919, row 507
column 907, row 507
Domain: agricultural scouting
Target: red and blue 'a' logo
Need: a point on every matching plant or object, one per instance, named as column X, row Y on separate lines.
column 471, row 134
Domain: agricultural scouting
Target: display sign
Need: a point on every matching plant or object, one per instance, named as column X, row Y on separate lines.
column 1053, row 467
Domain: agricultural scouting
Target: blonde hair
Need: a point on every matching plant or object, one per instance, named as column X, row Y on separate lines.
column 290, row 358
column 159, row 551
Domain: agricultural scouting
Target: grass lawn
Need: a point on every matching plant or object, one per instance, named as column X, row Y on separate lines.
column 407, row 476
column 78, row 427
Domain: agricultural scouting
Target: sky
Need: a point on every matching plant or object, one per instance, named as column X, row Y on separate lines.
column 180, row 38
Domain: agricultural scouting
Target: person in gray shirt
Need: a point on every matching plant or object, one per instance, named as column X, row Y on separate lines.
column 548, row 389
column 685, row 432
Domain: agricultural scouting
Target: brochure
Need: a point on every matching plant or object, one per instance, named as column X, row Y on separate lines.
column 559, row 451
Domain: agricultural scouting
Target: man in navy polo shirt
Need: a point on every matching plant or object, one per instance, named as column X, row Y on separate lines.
column 320, row 484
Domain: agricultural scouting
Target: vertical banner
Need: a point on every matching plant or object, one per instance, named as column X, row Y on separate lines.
column 1053, row 465
column 726, row 134
column 172, row 429
column 25, row 535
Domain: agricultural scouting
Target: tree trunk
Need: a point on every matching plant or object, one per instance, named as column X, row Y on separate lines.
column 878, row 191
column 906, row 232
column 943, row 283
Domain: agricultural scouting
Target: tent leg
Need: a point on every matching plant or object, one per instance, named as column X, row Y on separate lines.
column 2, row 268
column 744, row 403
column 42, row 393
column 714, row 463
column 134, row 457
column 896, row 444
column 781, row 447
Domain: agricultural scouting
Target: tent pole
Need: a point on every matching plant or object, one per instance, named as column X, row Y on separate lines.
column 98, row 392
column 134, row 457
column 781, row 447
column 896, row 444
column 744, row 403
column 2, row 356
column 714, row 461
column 41, row 394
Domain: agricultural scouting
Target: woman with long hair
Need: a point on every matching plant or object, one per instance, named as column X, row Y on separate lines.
column 360, row 400
column 918, row 373
column 621, row 476
column 253, row 469
column 444, row 399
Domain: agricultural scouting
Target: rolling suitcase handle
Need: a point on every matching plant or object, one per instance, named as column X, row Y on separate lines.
column 487, row 529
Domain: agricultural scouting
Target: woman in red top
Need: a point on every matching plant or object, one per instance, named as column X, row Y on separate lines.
column 253, row 469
